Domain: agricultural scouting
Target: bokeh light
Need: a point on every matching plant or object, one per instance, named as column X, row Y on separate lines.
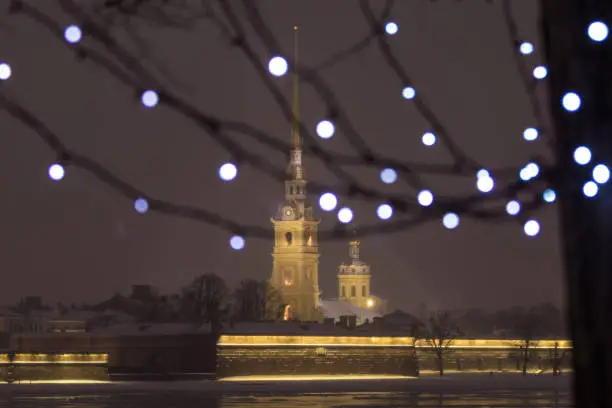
column 450, row 220
column 228, row 171
column 328, row 201
column 345, row 215
column 526, row 48
column 540, row 72
column 425, row 198
column 601, row 173
column 141, row 205
column 149, row 98
column 384, row 211
column 598, row 31
column 391, row 28
column 408, row 92
column 325, row 129
column 428, row 139
column 531, row 170
column 571, row 101
column 236, row 242
column 531, row 228
column 513, row 207
column 485, row 184
column 582, row 155
column 56, row 172
column 73, row 34
column 278, row 66
column 549, row 195
column 482, row 173
column 388, row 176
column 590, row 189
column 5, row 71
column 530, row 134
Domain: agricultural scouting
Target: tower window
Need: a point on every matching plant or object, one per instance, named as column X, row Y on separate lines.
column 364, row 292
column 308, row 237
column 289, row 238
column 343, row 291
column 353, row 291
column 287, row 277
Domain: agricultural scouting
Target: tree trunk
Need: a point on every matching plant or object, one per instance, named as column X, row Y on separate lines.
column 441, row 364
column 525, row 361
column 580, row 65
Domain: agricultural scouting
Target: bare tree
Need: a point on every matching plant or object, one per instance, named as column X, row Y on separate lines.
column 440, row 333
column 203, row 300
column 255, row 301
column 527, row 325
column 556, row 357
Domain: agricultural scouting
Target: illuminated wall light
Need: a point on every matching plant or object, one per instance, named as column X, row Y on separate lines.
column 345, row 215
column 601, row 173
column 526, row 48
column 278, row 66
column 482, row 173
column 228, row 171
column 328, row 201
column 391, row 28
column 384, row 211
column 571, row 101
column 141, row 205
column 408, row 92
column 582, row 155
column 540, row 72
column 325, row 129
column 513, row 207
column 485, row 184
column 236, row 242
column 388, row 176
column 428, row 139
column 73, row 34
column 450, row 220
column 549, row 195
column 598, row 31
column 149, row 98
column 56, row 172
column 530, row 134
column 590, row 189
column 425, row 198
column 5, row 71
column 531, row 228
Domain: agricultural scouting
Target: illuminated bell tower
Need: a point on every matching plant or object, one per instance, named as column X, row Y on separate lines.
column 354, row 280
column 295, row 256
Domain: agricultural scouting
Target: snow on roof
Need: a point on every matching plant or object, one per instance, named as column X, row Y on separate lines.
column 336, row 308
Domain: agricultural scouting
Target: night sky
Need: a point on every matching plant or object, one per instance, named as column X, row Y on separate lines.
column 77, row 240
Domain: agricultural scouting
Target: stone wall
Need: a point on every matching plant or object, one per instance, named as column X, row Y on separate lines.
column 279, row 360
column 56, row 372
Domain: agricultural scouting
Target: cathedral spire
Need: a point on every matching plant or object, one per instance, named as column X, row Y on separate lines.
column 295, row 170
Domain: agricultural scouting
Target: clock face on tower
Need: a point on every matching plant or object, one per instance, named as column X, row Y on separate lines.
column 288, row 213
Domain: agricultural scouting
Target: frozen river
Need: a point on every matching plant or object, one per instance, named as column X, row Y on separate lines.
column 466, row 391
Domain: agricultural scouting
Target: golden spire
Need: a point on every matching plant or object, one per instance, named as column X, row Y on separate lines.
column 295, row 125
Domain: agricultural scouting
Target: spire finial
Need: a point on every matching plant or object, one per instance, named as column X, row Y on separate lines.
column 295, row 125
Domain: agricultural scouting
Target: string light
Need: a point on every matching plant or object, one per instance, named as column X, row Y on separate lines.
column 428, row 139
column 590, row 189
column 345, row 215
column 598, row 31
column 149, row 98
column 73, row 34
column 325, row 129
column 485, row 183
column 601, row 173
column 450, row 220
column 408, row 92
column 513, row 207
column 425, row 198
column 391, row 28
column 582, row 155
column 530, row 134
column 236, row 242
column 388, row 176
column 540, row 72
column 228, row 171
column 328, row 201
column 278, row 66
column 526, row 48
column 384, row 211
column 56, row 172
column 549, row 195
column 141, row 205
column 5, row 71
column 531, row 228
column 571, row 101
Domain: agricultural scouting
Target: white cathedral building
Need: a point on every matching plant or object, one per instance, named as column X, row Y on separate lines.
column 295, row 256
